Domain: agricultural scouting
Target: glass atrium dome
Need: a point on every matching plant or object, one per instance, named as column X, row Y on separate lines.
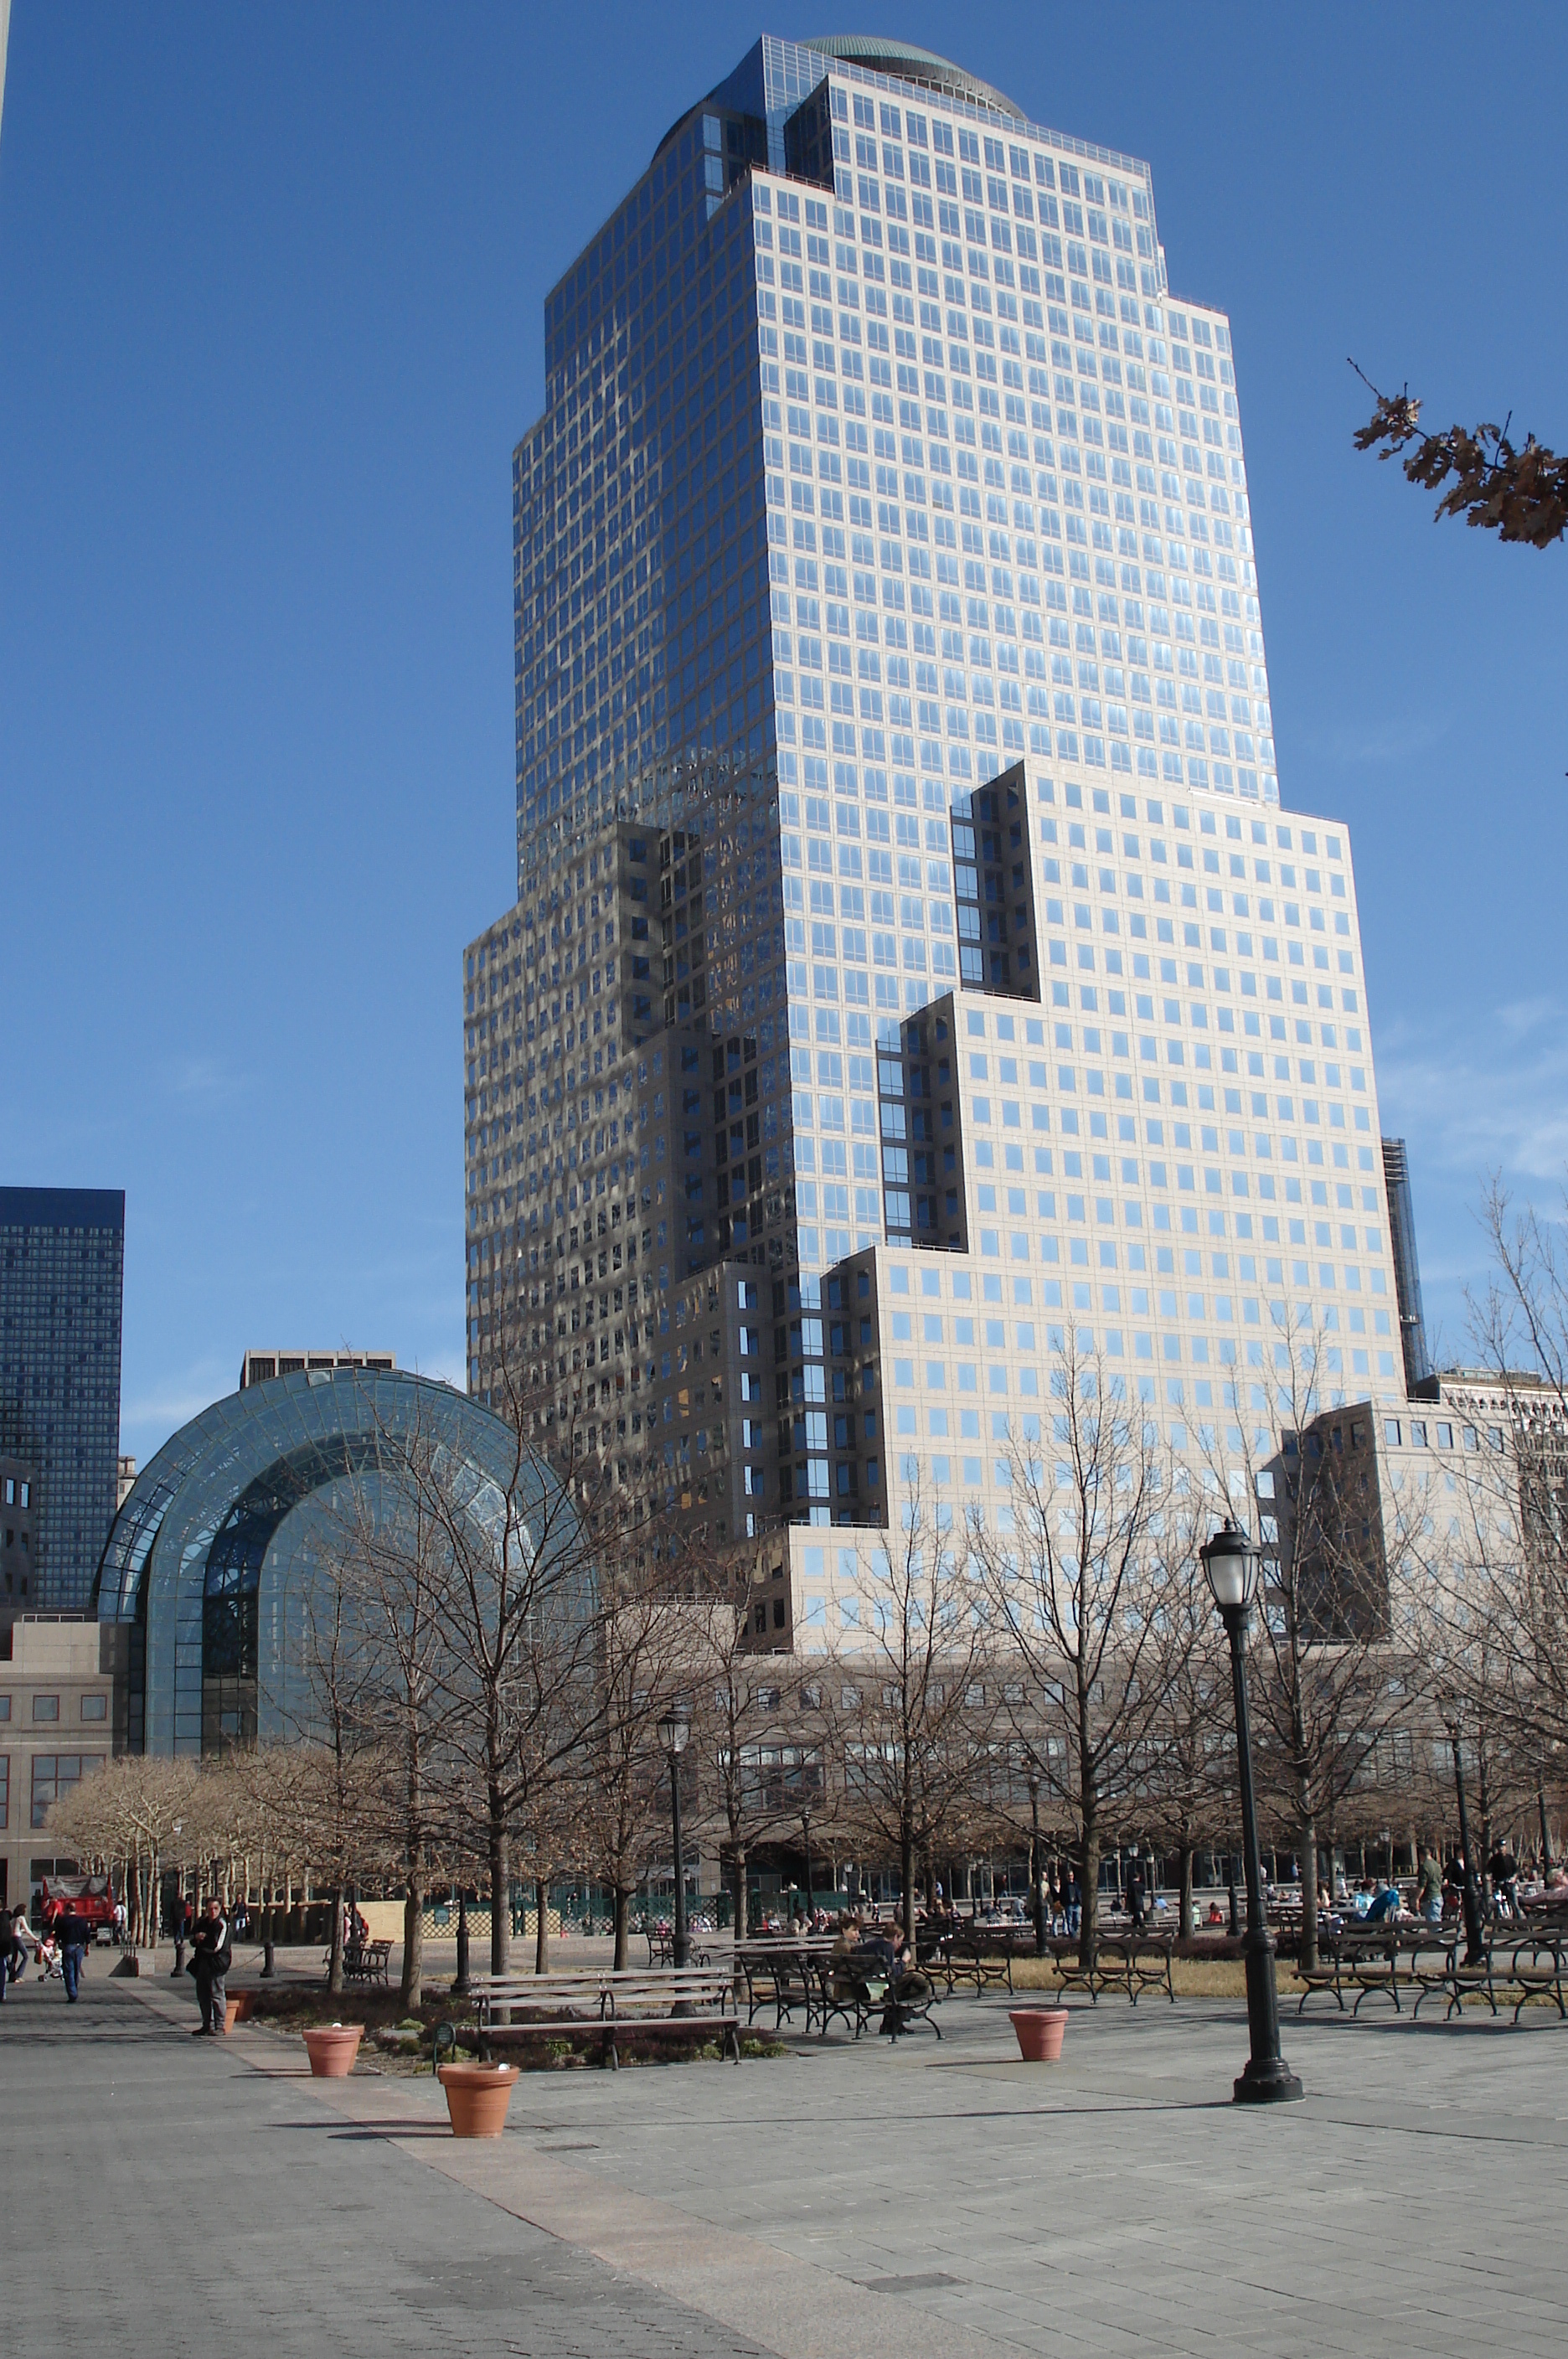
column 216, row 1555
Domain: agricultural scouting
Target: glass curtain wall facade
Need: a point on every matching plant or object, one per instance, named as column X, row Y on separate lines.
column 62, row 1252
column 885, row 550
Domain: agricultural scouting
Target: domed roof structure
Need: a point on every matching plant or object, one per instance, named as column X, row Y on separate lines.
column 218, row 1558
column 903, row 61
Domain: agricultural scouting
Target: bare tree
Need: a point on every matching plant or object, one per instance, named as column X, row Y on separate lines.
column 1100, row 1531
column 738, row 1738
column 518, row 1618
column 647, row 1663
column 1335, row 1663
column 908, row 1695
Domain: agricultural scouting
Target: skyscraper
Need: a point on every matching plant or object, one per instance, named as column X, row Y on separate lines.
column 907, row 927
column 62, row 1286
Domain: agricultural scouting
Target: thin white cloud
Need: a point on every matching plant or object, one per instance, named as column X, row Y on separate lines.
column 1477, row 1113
column 209, row 1080
column 1393, row 740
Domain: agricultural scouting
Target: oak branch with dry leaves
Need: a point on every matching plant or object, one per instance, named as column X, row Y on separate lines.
column 1519, row 494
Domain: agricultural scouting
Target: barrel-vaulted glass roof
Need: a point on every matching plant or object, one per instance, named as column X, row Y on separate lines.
column 215, row 1557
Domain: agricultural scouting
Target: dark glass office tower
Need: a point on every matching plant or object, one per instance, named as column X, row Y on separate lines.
column 61, row 1288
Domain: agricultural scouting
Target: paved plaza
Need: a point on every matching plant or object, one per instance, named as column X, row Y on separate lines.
column 929, row 2199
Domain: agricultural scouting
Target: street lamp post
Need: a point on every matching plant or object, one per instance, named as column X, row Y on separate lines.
column 1474, row 1940
column 673, row 1730
column 460, row 1984
column 806, row 1836
column 1230, row 1563
column 1034, row 1863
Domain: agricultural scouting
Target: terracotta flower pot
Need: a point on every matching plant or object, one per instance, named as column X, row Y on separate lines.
column 1040, row 2030
column 477, row 2096
column 332, row 2048
column 240, row 2009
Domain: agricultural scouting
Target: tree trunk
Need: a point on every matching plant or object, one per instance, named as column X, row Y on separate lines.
column 739, row 1850
column 907, row 1872
column 335, row 1956
column 1089, row 1887
column 1186, row 1858
column 541, row 1928
column 1309, row 1866
column 622, row 1913
column 500, row 1888
column 412, row 1989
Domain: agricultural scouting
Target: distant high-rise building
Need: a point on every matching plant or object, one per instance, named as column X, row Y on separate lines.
column 61, row 1288
column 260, row 1367
column 1407, row 1264
column 912, row 967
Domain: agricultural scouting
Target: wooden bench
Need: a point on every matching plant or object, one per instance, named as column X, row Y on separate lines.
column 662, row 1947
column 784, row 1975
column 1363, row 1958
column 603, row 2008
column 1517, row 1962
column 367, row 1962
column 981, row 1956
column 1122, row 1962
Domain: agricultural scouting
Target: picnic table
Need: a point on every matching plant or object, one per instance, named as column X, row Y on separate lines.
column 602, row 2006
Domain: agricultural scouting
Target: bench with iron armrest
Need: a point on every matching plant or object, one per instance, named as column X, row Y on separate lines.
column 1366, row 1959
column 604, row 2007
column 1119, row 1961
column 662, row 1949
column 1516, row 1963
column 781, row 1974
column 363, row 1962
column 982, row 1957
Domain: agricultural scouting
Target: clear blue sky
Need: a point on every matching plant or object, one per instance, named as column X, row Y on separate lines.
column 271, row 287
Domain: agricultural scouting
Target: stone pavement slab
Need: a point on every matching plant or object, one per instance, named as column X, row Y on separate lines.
column 936, row 2198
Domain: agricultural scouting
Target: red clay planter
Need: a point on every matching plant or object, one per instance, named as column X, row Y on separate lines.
column 240, row 2009
column 332, row 2048
column 477, row 2096
column 1040, row 2030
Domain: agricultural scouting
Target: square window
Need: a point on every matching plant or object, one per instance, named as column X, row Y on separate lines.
column 46, row 1707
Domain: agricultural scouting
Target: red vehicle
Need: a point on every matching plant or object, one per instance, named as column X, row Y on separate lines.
column 91, row 1897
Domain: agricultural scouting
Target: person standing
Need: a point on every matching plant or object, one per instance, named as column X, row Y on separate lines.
column 1137, row 1894
column 212, row 1957
column 73, row 1934
column 13, row 1949
column 183, row 1913
column 1429, row 1888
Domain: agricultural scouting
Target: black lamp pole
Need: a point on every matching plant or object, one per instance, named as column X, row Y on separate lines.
column 461, row 1982
column 1474, row 1940
column 806, row 1834
column 1034, row 1863
column 673, row 1730
column 1230, row 1561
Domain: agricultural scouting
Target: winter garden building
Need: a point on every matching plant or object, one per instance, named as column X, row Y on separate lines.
column 913, row 965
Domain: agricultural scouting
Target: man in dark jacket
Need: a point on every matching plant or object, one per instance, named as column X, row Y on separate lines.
column 209, row 1963
column 73, row 1934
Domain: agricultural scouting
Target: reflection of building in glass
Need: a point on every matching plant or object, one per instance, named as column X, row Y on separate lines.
column 884, row 570
column 213, row 1561
column 61, row 1281
column 1407, row 1264
column 18, row 1543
